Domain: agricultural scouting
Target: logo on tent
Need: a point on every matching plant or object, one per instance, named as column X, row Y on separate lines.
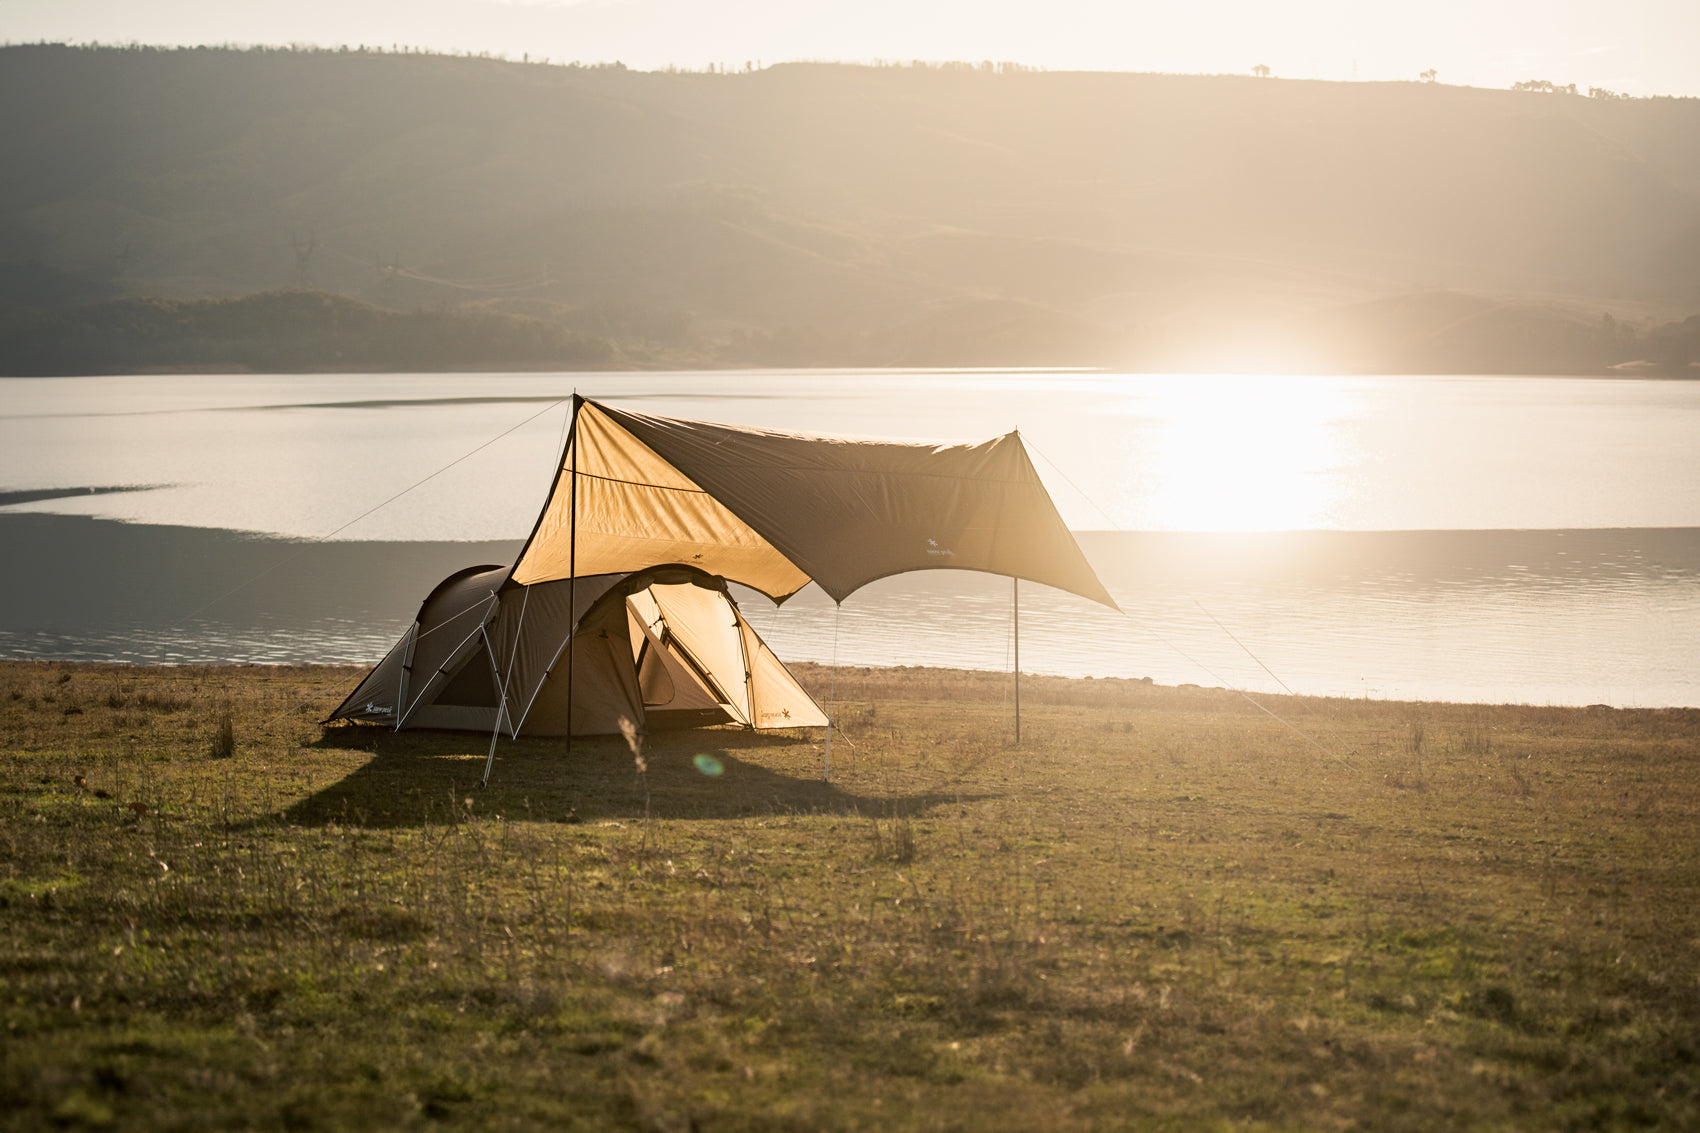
column 933, row 548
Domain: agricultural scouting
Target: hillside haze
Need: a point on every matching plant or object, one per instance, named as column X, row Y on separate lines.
column 854, row 215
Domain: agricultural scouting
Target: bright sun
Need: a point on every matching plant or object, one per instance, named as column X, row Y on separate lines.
column 1240, row 452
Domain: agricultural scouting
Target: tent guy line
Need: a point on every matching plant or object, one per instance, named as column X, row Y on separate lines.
column 369, row 511
column 1243, row 646
column 285, row 561
column 1266, row 669
column 1187, row 657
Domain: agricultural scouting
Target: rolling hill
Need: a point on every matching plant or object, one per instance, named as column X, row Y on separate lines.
column 827, row 214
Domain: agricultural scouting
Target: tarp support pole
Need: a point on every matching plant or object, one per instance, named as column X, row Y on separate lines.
column 832, row 694
column 1015, row 603
column 572, row 561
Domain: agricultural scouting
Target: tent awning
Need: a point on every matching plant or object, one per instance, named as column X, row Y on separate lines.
column 774, row 510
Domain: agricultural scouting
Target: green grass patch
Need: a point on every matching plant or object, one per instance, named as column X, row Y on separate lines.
column 1164, row 910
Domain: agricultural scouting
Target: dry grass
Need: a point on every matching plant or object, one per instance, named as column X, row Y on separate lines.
column 1166, row 910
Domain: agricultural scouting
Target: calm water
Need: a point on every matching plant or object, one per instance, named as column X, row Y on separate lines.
column 1550, row 546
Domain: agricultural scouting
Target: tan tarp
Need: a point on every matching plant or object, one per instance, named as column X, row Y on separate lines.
column 636, row 511
column 774, row 510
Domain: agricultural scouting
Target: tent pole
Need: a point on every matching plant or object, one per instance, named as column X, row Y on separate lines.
column 1015, row 603
column 832, row 693
column 502, row 686
column 560, row 650
column 501, row 708
column 572, row 562
column 501, row 683
column 406, row 668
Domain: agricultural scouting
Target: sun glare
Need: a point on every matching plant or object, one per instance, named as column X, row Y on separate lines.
column 1242, row 452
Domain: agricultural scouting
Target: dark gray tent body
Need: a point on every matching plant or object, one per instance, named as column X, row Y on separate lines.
column 660, row 648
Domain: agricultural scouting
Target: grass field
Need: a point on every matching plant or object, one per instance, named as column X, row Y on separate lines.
column 1166, row 909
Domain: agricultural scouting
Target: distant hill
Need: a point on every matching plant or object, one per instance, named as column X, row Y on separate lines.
column 281, row 332
column 826, row 214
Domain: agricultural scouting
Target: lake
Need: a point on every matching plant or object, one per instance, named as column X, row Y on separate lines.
column 1477, row 539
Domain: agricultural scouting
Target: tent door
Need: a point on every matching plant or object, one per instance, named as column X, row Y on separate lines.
column 679, row 690
column 700, row 627
column 475, row 686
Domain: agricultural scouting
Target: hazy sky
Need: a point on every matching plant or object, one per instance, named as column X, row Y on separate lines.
column 1633, row 46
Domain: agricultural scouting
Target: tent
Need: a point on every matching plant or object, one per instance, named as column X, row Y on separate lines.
column 660, row 648
column 618, row 606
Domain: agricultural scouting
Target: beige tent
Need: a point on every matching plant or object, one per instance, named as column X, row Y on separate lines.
column 617, row 605
column 661, row 648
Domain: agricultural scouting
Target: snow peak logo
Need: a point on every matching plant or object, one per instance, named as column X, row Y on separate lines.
column 933, row 548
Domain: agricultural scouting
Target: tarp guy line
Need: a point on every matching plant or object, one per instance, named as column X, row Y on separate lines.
column 1153, row 633
column 332, row 534
column 1003, row 699
column 1259, row 660
column 376, row 507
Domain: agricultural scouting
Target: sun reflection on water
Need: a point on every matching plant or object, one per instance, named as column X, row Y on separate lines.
column 1240, row 452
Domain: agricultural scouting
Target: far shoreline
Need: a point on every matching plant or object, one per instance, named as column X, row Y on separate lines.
column 708, row 367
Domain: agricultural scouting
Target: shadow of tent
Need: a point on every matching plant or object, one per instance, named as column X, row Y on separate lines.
column 425, row 778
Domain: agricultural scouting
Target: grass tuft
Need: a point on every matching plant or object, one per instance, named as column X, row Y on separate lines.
column 224, row 735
